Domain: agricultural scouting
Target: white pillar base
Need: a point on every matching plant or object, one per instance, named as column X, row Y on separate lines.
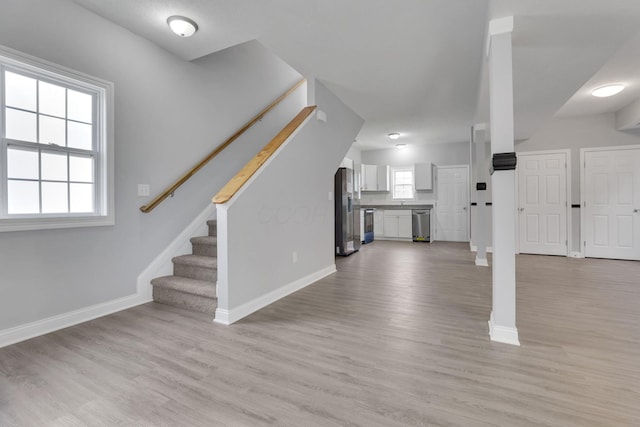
column 482, row 262
column 503, row 334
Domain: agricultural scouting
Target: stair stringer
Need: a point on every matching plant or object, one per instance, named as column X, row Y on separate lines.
column 181, row 245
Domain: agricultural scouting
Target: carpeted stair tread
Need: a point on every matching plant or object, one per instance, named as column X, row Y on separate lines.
column 204, row 240
column 188, row 286
column 197, row 261
column 212, row 222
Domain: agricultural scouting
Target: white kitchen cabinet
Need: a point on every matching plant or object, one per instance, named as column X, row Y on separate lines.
column 378, row 223
column 405, row 227
column 397, row 224
column 375, row 177
column 423, row 176
column 369, row 175
column 390, row 226
column 383, row 178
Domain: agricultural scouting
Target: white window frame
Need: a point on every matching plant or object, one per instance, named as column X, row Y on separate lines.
column 393, row 182
column 104, row 133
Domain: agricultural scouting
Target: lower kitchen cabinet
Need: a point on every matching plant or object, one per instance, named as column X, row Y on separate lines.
column 397, row 224
column 405, row 226
column 378, row 223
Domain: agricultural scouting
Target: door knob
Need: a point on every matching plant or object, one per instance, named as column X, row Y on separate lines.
column 521, row 209
column 636, row 210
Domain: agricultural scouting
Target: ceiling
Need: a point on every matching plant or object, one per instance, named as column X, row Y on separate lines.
column 418, row 66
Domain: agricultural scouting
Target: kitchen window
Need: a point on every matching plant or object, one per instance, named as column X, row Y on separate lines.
column 402, row 183
column 55, row 155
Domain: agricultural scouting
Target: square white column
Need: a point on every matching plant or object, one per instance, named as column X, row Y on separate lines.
column 502, row 323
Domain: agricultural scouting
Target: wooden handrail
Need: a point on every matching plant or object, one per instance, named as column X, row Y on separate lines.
column 236, row 183
column 184, row 178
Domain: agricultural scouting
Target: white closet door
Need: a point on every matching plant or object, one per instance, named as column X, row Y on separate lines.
column 612, row 204
column 542, row 204
column 452, row 210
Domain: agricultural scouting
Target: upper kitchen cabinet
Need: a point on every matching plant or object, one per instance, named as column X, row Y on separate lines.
column 375, row 178
column 423, row 177
column 383, row 178
column 369, row 177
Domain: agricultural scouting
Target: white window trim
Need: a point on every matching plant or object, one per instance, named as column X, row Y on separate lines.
column 395, row 169
column 105, row 113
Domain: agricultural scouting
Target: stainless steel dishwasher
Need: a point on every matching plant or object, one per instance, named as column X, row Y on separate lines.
column 421, row 225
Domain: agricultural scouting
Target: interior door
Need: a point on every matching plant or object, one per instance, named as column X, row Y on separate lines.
column 611, row 203
column 452, row 206
column 542, row 203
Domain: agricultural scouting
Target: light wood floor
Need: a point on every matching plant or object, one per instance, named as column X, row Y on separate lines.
column 398, row 337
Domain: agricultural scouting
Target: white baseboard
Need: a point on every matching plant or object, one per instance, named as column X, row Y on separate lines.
column 227, row 317
column 575, row 255
column 482, row 262
column 181, row 245
column 396, row 239
column 474, row 248
column 54, row 323
column 503, row 334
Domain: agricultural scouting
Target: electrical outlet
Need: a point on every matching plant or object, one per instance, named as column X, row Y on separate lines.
column 143, row 190
column 330, row 195
column 295, row 256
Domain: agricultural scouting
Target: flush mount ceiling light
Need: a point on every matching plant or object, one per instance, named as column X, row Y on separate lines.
column 401, row 146
column 609, row 90
column 182, row 26
column 394, row 135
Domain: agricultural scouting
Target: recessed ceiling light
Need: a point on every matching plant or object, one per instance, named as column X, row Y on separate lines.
column 401, row 146
column 182, row 26
column 609, row 90
column 394, row 135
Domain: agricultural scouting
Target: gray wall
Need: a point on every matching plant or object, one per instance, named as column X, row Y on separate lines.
column 574, row 133
column 169, row 113
column 355, row 155
column 286, row 209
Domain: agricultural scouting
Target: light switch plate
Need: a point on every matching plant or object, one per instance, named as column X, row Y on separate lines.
column 143, row 190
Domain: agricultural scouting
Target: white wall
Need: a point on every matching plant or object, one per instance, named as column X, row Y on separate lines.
column 438, row 154
column 284, row 208
column 169, row 113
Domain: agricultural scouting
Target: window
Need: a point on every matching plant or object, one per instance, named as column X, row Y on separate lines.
column 55, row 157
column 402, row 181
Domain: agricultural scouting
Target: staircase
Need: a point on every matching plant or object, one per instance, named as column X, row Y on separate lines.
column 193, row 284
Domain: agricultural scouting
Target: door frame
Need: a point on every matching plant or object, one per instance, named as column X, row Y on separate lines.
column 567, row 153
column 583, row 180
column 434, row 220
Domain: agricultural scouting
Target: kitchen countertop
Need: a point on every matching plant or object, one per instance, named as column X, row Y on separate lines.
column 396, row 207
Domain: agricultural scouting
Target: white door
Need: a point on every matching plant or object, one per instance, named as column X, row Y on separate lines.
column 611, row 203
column 452, row 206
column 542, row 203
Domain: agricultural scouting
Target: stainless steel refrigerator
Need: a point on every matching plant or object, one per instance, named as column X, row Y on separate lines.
column 347, row 210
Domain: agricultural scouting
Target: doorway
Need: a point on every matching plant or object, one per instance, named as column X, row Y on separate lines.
column 610, row 201
column 452, row 203
column 543, row 202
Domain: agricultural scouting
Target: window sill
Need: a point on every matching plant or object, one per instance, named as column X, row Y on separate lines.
column 27, row 224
